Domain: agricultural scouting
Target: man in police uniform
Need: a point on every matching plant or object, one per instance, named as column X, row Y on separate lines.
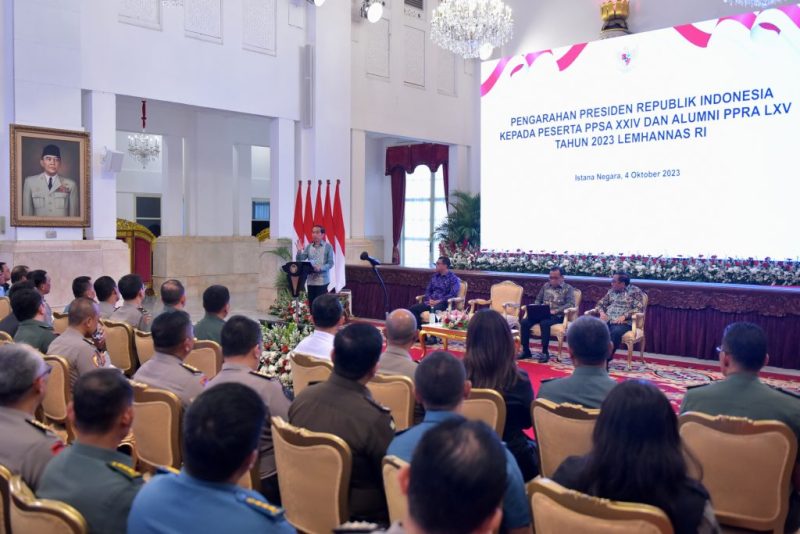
column 343, row 406
column 105, row 288
column 221, row 432
column 132, row 312
column 241, row 347
column 173, row 340
column 742, row 355
column 91, row 475
column 589, row 346
column 42, row 282
column 76, row 345
column 33, row 330
column 217, row 304
column 48, row 194
column 26, row 445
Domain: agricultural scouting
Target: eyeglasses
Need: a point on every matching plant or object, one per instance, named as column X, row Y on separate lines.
column 720, row 349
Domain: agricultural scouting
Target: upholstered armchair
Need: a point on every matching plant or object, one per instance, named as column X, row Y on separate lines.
column 504, row 298
column 455, row 303
column 636, row 334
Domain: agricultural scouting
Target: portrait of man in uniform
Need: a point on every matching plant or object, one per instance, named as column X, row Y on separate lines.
column 50, row 182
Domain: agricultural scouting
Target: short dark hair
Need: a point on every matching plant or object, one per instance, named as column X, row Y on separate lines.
column 18, row 273
column 81, row 285
column 356, row 350
column 81, row 309
column 588, row 339
column 16, row 286
column 21, row 365
column 129, row 286
column 25, row 303
column 321, row 228
column 222, row 426
column 326, row 310
column 623, row 277
column 104, row 288
column 747, row 345
column 99, row 398
column 215, row 298
column 171, row 292
column 439, row 380
column 458, row 477
column 560, row 270
column 170, row 329
column 38, row 277
column 445, row 260
column 239, row 335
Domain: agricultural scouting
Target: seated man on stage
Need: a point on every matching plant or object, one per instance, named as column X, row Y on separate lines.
column 444, row 285
column 618, row 307
column 557, row 294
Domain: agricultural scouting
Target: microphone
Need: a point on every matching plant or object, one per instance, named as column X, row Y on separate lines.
column 372, row 261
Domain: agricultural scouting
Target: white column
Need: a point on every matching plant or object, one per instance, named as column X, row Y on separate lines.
column 283, row 178
column 173, row 212
column 459, row 169
column 242, row 201
column 358, row 182
column 100, row 120
column 213, row 182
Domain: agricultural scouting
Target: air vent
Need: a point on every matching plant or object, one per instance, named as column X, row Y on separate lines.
column 417, row 4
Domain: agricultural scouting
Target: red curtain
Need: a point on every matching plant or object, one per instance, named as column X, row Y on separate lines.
column 404, row 159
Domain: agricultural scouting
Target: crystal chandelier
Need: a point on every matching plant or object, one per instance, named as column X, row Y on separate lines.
column 757, row 4
column 471, row 28
column 141, row 146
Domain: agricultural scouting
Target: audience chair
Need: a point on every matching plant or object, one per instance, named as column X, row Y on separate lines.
column 557, row 510
column 60, row 322
column 5, row 307
column 5, row 492
column 251, row 479
column 396, row 501
column 396, row 392
column 157, row 427
column 454, row 303
column 58, row 395
column 119, row 343
column 5, row 337
column 562, row 430
column 206, row 356
column 29, row 514
column 504, row 298
column 313, row 476
column 307, row 369
column 486, row 405
column 746, row 467
column 559, row 331
column 636, row 334
column 143, row 342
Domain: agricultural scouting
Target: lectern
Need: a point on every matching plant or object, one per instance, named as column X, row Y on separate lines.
column 297, row 271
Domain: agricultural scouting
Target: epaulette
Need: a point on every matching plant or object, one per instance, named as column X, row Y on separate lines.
column 699, row 386
column 551, row 379
column 194, row 370
column 167, row 470
column 125, row 470
column 88, row 341
column 378, row 405
column 39, row 425
column 259, row 505
column 260, row 375
column 787, row 392
column 45, row 326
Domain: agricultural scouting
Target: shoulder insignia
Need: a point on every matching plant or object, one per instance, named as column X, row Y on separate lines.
column 38, row 425
column 45, row 326
column 260, row 375
column 699, row 386
column 166, row 470
column 378, row 405
column 259, row 505
column 791, row 393
column 125, row 470
column 88, row 341
column 188, row 367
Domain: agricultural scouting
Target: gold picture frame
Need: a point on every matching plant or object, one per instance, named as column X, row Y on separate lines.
column 50, row 177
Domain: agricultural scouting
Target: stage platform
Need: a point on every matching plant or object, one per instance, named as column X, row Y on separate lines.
column 683, row 318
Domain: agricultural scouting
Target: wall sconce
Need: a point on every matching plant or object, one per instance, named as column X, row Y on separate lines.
column 372, row 10
column 614, row 14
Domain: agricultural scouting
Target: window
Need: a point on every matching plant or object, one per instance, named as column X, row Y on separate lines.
column 425, row 210
column 260, row 216
column 148, row 213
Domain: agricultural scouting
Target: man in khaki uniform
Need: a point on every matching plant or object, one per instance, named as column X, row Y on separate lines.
column 26, row 445
column 173, row 339
column 401, row 334
column 76, row 344
column 131, row 288
column 33, row 330
column 105, row 288
column 48, row 194
column 241, row 347
column 343, row 406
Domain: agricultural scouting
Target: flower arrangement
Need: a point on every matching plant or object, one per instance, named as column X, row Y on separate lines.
column 455, row 320
column 688, row 269
column 281, row 338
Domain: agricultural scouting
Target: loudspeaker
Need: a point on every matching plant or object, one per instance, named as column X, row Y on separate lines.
column 112, row 161
column 307, row 88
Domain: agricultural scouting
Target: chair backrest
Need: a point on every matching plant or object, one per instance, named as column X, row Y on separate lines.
column 461, row 298
column 5, row 307
column 313, row 475
column 59, row 392
column 562, row 430
column 307, row 369
column 557, row 510
column 396, row 501
column 143, row 341
column 29, row 514
column 157, row 426
column 5, row 337
column 396, row 392
column 60, row 322
column 486, row 405
column 119, row 342
column 746, row 467
column 503, row 293
column 5, row 492
column 206, row 356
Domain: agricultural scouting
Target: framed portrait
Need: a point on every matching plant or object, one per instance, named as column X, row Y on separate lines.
column 50, row 177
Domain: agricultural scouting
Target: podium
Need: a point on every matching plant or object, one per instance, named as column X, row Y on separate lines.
column 297, row 271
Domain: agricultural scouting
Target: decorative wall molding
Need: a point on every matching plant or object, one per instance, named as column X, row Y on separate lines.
column 202, row 19
column 378, row 45
column 414, row 40
column 445, row 72
column 259, row 30
column 144, row 13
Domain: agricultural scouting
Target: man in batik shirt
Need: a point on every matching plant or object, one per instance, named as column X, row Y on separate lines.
column 443, row 286
column 618, row 307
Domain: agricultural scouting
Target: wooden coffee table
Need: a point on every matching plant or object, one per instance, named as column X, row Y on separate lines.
column 448, row 334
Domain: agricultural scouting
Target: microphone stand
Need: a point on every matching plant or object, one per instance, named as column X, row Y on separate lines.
column 385, row 291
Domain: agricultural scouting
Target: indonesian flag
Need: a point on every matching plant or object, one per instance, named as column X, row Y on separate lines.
column 318, row 206
column 327, row 222
column 298, row 215
column 308, row 216
column 338, row 241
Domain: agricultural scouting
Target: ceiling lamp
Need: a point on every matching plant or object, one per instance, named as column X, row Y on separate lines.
column 372, row 10
column 757, row 4
column 466, row 26
column 141, row 146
